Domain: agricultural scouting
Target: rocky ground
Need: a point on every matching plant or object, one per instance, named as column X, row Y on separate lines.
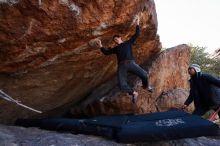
column 19, row 136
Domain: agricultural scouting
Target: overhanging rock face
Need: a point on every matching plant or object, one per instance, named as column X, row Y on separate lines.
column 47, row 55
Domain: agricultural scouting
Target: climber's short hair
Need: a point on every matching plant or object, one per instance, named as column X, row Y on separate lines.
column 115, row 36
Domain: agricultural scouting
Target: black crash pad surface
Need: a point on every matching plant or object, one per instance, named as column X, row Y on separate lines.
column 132, row 128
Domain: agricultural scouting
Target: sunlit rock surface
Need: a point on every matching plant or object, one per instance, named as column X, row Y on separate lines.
column 48, row 58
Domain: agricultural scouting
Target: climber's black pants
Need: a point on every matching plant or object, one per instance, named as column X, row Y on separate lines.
column 130, row 66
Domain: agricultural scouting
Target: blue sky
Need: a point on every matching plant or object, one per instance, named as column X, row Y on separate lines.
column 189, row 21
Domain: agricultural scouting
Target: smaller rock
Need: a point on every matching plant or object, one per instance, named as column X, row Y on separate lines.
column 173, row 99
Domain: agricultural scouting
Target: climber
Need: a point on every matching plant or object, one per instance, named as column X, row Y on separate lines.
column 204, row 91
column 126, row 62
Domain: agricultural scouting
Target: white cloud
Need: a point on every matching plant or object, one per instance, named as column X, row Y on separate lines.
column 189, row 21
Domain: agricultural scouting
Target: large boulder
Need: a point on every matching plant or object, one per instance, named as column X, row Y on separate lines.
column 167, row 74
column 47, row 55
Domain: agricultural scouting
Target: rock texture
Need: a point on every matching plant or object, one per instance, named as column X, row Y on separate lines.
column 169, row 77
column 173, row 98
column 47, row 55
column 17, row 136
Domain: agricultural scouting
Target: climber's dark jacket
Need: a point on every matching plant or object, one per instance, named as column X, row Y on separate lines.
column 204, row 91
column 123, row 50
